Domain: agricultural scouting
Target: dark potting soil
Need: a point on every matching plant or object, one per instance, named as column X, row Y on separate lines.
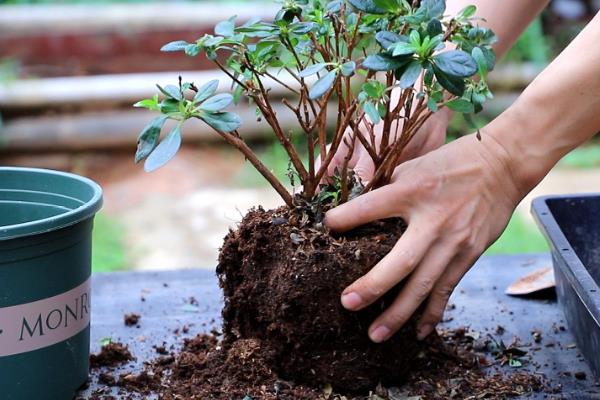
column 282, row 277
column 204, row 369
column 111, row 354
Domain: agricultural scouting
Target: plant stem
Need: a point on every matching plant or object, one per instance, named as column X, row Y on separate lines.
column 235, row 140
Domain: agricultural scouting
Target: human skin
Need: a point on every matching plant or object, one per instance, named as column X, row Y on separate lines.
column 458, row 199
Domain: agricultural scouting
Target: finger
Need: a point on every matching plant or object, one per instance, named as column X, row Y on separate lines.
column 385, row 202
column 436, row 304
column 433, row 139
column 416, row 290
column 365, row 168
column 395, row 266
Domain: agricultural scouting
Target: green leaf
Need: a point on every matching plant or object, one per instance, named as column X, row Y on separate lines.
column 432, row 105
column 456, row 63
column 490, row 57
column 322, row 85
column 192, row 49
column 171, row 91
column 165, row 150
column 150, row 104
column 514, row 363
column 168, row 106
column 386, row 39
column 367, row 6
column 467, row 12
column 303, row 28
column 372, row 112
column 410, row 75
column 414, row 38
column 480, row 59
column 433, row 8
column 148, row 138
column 374, row 89
column 311, row 70
column 384, row 62
column 461, row 106
column 348, row 68
column 334, row 6
column 451, row 83
column 434, row 27
column 178, row 45
column 226, row 28
column 388, row 5
column 402, row 49
column 478, row 98
column 212, row 41
column 222, row 121
column 237, row 94
column 206, row 90
column 217, row 102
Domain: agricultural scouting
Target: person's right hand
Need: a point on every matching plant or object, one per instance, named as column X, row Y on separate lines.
column 429, row 137
column 456, row 201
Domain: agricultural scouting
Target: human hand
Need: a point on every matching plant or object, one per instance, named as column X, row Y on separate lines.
column 456, row 201
column 429, row 137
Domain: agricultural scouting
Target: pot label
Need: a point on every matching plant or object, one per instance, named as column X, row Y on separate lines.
column 42, row 323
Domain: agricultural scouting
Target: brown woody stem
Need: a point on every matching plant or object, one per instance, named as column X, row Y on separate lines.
column 235, row 140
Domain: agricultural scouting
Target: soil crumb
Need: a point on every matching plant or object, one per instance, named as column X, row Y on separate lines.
column 131, row 319
column 111, row 355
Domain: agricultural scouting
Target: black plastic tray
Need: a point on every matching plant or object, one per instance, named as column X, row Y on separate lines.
column 571, row 224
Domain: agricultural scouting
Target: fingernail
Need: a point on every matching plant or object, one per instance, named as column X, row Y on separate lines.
column 351, row 301
column 379, row 334
column 423, row 331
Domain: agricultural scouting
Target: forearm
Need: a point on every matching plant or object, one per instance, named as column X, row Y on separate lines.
column 507, row 18
column 557, row 112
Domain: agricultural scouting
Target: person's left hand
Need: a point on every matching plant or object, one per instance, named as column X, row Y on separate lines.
column 456, row 201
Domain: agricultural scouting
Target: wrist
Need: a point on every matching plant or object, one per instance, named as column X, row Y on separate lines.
column 522, row 139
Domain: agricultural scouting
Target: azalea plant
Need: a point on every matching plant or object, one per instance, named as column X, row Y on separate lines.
column 351, row 54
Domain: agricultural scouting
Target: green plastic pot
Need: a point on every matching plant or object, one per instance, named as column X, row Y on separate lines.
column 46, row 222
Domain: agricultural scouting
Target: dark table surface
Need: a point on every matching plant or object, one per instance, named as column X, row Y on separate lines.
column 171, row 302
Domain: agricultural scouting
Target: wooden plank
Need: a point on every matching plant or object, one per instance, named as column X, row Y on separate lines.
column 120, row 129
column 44, row 18
column 122, row 88
column 111, row 89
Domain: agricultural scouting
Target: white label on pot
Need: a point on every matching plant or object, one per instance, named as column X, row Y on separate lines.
column 32, row 326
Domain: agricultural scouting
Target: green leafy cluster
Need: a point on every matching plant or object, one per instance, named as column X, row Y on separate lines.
column 204, row 105
column 413, row 43
column 355, row 52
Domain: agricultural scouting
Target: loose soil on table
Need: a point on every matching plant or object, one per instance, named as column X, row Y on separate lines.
column 131, row 319
column 204, row 369
column 286, row 335
column 111, row 354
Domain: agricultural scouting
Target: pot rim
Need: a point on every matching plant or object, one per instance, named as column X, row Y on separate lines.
column 87, row 209
column 572, row 267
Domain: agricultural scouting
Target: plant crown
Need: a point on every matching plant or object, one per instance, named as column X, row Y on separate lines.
column 339, row 61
